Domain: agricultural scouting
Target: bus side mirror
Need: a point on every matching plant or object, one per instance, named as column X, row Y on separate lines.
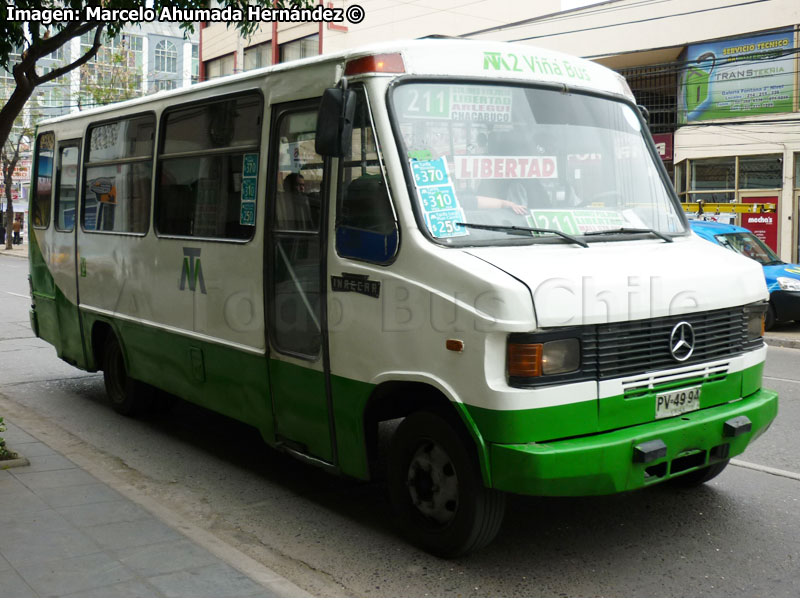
column 645, row 113
column 335, row 122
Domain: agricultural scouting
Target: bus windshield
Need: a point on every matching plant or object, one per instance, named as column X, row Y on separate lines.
column 496, row 157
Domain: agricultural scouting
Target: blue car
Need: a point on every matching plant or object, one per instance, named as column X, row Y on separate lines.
column 783, row 280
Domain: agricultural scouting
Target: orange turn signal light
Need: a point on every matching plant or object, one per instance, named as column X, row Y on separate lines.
column 524, row 360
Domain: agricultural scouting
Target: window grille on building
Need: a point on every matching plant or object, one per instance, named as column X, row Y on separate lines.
column 656, row 88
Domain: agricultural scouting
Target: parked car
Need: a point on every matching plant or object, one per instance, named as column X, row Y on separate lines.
column 783, row 279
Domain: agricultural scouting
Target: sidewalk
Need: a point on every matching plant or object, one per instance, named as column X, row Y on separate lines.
column 64, row 532
column 20, row 250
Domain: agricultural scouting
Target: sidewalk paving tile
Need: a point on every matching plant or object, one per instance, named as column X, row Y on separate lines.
column 18, row 502
column 45, row 462
column 102, row 513
column 33, row 449
column 127, row 589
column 216, row 581
column 167, row 557
column 25, row 525
column 78, row 494
column 14, row 586
column 4, row 566
column 64, row 533
column 53, row 479
column 14, row 435
column 131, row 534
column 76, row 573
column 23, row 551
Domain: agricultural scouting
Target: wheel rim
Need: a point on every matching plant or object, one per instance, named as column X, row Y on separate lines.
column 433, row 483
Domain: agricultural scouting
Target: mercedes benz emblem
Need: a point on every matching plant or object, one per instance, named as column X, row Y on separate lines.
column 681, row 341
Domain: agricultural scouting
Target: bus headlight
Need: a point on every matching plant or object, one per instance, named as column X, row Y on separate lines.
column 561, row 356
column 789, row 283
column 755, row 324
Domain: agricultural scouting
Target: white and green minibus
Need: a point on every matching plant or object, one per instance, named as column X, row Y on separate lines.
column 476, row 238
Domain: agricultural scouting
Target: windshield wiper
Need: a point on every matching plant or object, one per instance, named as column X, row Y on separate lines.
column 514, row 228
column 664, row 237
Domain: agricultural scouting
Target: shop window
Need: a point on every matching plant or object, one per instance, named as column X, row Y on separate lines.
column 797, row 170
column 680, row 179
column 257, row 56
column 220, row 67
column 760, row 172
column 302, row 48
column 716, row 197
column 714, row 173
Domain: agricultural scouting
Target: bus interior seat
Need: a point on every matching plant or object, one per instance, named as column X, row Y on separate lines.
column 366, row 205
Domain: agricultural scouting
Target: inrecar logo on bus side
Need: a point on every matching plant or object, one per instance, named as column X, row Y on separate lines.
column 192, row 270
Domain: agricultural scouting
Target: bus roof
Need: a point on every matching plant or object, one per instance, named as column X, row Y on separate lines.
column 433, row 57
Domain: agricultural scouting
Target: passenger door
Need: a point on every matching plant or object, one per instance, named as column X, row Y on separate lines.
column 295, row 293
column 64, row 258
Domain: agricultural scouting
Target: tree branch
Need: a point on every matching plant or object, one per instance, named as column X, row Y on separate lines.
column 51, row 44
column 54, row 74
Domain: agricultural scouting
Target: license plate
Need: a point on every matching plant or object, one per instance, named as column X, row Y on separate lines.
column 677, row 402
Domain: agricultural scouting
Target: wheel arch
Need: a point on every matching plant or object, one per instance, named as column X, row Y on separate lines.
column 101, row 329
column 397, row 397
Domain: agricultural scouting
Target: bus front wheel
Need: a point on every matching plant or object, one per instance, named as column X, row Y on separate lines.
column 437, row 491
column 121, row 389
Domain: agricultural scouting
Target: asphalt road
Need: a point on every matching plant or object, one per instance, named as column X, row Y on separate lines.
column 737, row 536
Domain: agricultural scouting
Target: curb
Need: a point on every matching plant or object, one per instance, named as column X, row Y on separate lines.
column 782, row 342
column 20, row 461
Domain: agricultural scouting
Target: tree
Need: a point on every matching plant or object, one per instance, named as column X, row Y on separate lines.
column 111, row 80
column 9, row 157
column 39, row 39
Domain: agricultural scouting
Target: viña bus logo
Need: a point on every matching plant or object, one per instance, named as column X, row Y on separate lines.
column 192, row 270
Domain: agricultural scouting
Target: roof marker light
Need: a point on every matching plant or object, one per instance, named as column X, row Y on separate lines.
column 377, row 63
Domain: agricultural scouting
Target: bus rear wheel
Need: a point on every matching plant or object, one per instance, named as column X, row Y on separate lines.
column 121, row 389
column 437, row 491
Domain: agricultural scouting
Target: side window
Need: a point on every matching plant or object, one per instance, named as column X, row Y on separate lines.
column 366, row 228
column 43, row 179
column 297, row 176
column 67, row 190
column 119, row 167
column 208, row 169
column 297, row 202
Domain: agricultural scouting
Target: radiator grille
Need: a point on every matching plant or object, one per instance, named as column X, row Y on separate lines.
column 622, row 349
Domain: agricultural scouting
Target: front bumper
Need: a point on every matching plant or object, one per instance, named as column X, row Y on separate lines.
column 605, row 463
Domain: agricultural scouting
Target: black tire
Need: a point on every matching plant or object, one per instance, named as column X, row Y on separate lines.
column 436, row 488
column 700, row 476
column 123, row 391
column 769, row 318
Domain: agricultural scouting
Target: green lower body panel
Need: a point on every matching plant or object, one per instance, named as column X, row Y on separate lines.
column 604, row 463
